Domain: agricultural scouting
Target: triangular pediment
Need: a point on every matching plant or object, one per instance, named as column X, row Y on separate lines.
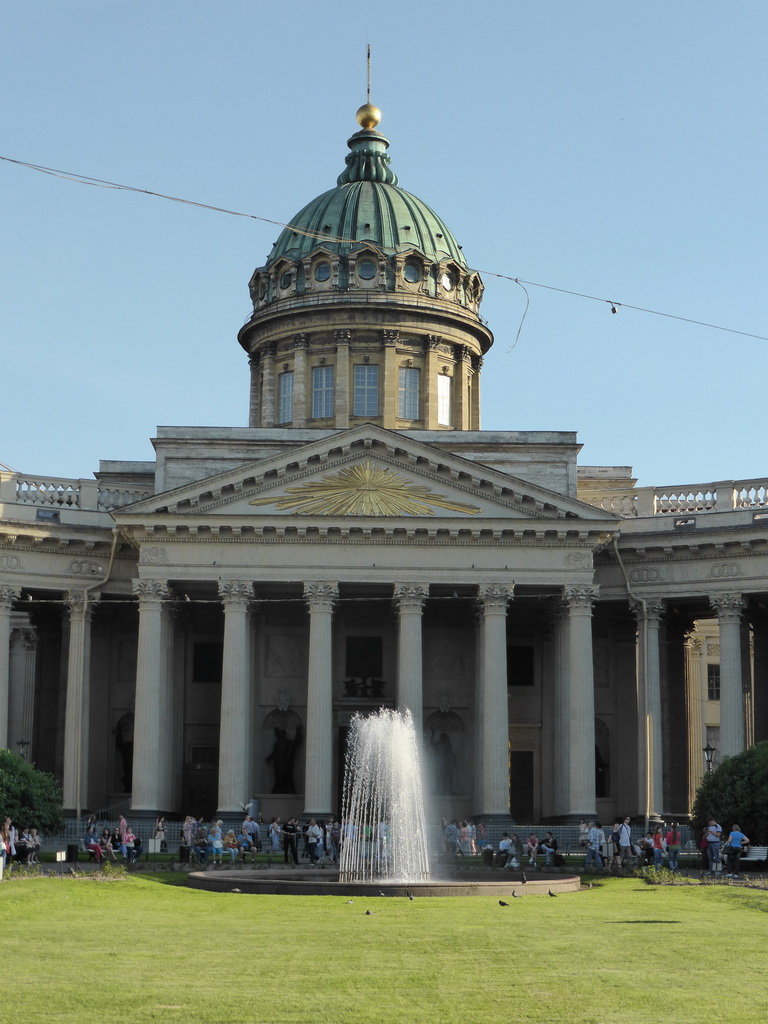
column 367, row 472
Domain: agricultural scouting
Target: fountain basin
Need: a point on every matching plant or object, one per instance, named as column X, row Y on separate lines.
column 314, row 882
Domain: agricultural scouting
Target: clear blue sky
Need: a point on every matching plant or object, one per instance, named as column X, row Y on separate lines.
column 608, row 148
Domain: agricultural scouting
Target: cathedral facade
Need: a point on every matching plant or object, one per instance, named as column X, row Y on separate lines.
column 185, row 635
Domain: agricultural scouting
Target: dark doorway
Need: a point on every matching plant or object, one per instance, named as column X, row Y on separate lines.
column 521, row 785
column 364, row 656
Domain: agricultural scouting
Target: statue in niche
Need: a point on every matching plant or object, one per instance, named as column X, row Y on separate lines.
column 123, row 733
column 443, row 763
column 282, row 759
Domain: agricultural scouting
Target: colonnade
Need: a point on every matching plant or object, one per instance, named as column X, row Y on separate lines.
column 575, row 711
column 571, row 717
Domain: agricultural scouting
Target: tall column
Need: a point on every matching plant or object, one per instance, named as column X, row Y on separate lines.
column 268, row 385
column 320, row 598
column 300, row 408
column 580, row 723
column 390, row 383
column 694, row 701
column 235, row 729
column 342, row 404
column 759, row 619
column 460, row 397
column 560, row 730
column 254, row 405
column 410, row 598
column 729, row 608
column 152, row 789
column 22, row 684
column 7, row 596
column 649, row 724
column 431, row 363
column 80, row 606
column 473, row 379
column 493, row 705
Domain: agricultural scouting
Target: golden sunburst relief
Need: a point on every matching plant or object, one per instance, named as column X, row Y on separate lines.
column 363, row 490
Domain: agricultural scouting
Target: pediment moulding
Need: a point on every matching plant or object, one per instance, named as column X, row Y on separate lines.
column 439, row 468
column 559, row 536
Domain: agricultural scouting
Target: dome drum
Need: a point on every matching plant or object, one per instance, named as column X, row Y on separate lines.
column 366, row 268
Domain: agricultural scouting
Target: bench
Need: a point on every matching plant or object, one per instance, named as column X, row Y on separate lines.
column 753, row 854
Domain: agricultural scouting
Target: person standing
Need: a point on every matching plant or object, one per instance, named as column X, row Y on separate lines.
column 595, row 840
column 712, row 835
column 290, row 828
column 658, row 848
column 314, row 837
column 673, row 840
column 736, row 843
column 275, row 831
column 625, row 843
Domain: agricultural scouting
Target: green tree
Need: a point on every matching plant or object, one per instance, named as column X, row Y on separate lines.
column 28, row 796
column 736, row 791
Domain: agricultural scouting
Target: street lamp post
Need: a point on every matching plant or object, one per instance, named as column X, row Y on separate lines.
column 709, row 753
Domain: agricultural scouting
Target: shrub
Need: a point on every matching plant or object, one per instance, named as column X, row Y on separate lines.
column 736, row 791
column 28, row 796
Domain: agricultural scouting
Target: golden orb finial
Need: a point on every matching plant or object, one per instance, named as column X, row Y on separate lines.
column 368, row 116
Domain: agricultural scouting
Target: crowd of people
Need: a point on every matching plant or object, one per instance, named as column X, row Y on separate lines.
column 316, row 840
column 20, row 845
column 320, row 841
column 658, row 845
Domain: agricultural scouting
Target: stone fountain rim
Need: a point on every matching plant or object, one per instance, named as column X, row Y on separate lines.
column 311, row 883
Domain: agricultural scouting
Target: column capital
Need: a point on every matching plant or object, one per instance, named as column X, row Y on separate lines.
column 148, row 591
column 301, row 340
column 321, row 595
column 728, row 606
column 390, row 337
column 80, row 603
column 235, row 592
column 580, row 598
column 8, row 595
column 27, row 636
column 652, row 606
column 410, row 596
column 495, row 596
column 342, row 337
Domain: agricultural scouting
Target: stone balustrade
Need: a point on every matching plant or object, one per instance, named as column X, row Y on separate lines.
column 65, row 492
column 687, row 499
column 628, row 503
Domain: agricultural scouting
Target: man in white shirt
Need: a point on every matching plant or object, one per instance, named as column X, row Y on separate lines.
column 625, row 843
column 713, row 834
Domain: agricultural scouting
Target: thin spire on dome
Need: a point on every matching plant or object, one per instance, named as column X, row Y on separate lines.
column 368, row 160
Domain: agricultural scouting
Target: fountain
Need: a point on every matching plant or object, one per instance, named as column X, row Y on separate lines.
column 384, row 836
column 383, row 827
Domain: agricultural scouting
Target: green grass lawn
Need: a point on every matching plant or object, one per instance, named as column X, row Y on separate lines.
column 145, row 948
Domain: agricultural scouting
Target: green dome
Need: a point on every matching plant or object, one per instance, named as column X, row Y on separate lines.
column 367, row 207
